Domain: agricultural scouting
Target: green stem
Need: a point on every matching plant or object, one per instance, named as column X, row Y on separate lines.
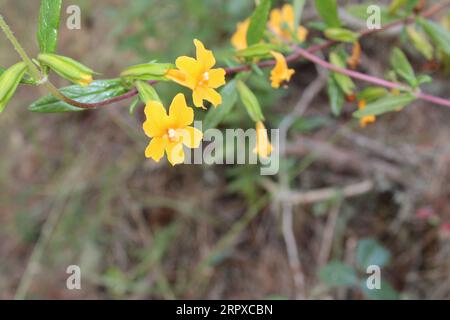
column 9, row 34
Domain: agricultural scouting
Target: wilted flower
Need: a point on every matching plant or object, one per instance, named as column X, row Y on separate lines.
column 263, row 147
column 280, row 72
column 367, row 119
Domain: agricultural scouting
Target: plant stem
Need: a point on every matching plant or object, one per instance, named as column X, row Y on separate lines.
column 9, row 34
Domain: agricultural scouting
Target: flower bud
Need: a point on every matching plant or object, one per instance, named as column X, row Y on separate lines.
column 147, row 71
column 146, row 92
column 9, row 80
column 67, row 68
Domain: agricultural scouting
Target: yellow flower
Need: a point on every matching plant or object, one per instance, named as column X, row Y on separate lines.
column 239, row 38
column 170, row 132
column 263, row 147
column 280, row 72
column 198, row 75
column 367, row 119
column 282, row 23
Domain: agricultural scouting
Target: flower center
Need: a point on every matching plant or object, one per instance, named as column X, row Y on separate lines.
column 172, row 134
column 204, row 79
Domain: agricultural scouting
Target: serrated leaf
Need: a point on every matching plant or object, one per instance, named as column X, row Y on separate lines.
column 258, row 22
column 387, row 104
column 336, row 274
column 250, row 102
column 216, row 115
column 49, row 19
column 328, row 11
column 97, row 91
column 438, row 34
column 386, row 292
column 402, row 67
column 335, row 96
column 370, row 252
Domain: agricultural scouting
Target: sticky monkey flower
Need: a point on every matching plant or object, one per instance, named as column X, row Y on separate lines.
column 239, row 38
column 198, row 75
column 169, row 132
column 280, row 72
column 282, row 22
column 263, row 147
column 364, row 121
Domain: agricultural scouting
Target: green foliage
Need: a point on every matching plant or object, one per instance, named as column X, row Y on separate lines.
column 370, row 94
column 402, row 67
column 250, row 102
column 337, row 274
column 386, row 104
column 341, row 34
column 216, row 115
column 257, row 50
column 344, row 82
column 258, row 22
column 147, row 71
column 328, row 11
column 438, row 34
column 146, row 92
column 9, row 81
column 386, row 292
column 335, row 96
column 298, row 11
column 97, row 91
column 370, row 252
column 420, row 42
column 49, row 19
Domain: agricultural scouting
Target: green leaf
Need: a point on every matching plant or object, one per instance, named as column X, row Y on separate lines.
column 146, row 92
column 298, row 11
column 438, row 34
column 370, row 252
column 344, row 82
column 420, row 43
column 25, row 80
column 370, row 94
column 250, row 102
column 147, row 71
column 341, row 34
column 402, row 67
column 328, row 11
column 216, row 115
column 387, row 104
column 97, row 91
column 386, row 292
column 395, row 5
column 258, row 22
column 257, row 50
column 336, row 96
column 133, row 106
column 336, row 274
column 49, row 19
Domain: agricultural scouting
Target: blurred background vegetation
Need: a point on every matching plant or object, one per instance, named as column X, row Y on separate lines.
column 75, row 189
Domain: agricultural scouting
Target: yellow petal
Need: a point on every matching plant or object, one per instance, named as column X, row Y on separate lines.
column 157, row 119
column 275, row 20
column 263, row 147
column 216, row 78
column 239, row 38
column 302, row 33
column 191, row 69
column 155, row 149
column 175, row 153
column 288, row 15
column 177, row 76
column 180, row 115
column 364, row 121
column 204, row 57
column 202, row 93
column 191, row 137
